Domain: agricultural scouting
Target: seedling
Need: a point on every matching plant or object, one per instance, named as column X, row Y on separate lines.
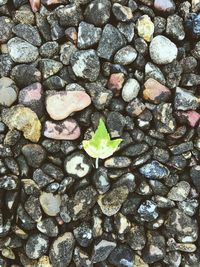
column 100, row 146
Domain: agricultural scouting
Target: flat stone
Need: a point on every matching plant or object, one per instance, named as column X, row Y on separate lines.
column 110, row 203
column 25, row 120
column 145, row 28
column 61, row 104
column 8, row 92
column 32, row 97
column 111, row 41
column 88, row 35
column 154, row 170
column 65, row 130
column 21, row 51
column 50, row 203
column 59, row 256
column 85, row 64
column 162, row 50
column 156, row 92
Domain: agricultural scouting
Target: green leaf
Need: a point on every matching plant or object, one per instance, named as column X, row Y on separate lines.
column 100, row 145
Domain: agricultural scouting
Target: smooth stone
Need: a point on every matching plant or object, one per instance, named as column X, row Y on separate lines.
column 32, row 207
column 6, row 64
column 127, row 30
column 49, row 49
column 102, row 250
column 23, row 119
column 115, row 83
column 179, row 192
column 154, row 170
column 130, row 90
column 8, row 92
column 49, row 67
column 175, row 27
column 65, row 130
column 185, row 100
column 155, row 92
column 85, row 64
column 145, row 28
column 61, row 250
column 125, row 55
column 122, row 13
column 21, row 51
column 110, row 203
column 48, row 227
column 61, row 104
column 162, row 50
column 50, row 203
column 165, row 6
column 69, row 15
column 32, row 97
column 6, row 25
column 148, row 211
column 83, row 234
column 190, row 117
column 152, row 71
column 66, row 51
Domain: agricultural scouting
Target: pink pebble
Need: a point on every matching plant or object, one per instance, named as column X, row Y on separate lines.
column 191, row 117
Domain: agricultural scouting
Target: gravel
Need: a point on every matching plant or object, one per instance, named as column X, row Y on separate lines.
column 66, row 64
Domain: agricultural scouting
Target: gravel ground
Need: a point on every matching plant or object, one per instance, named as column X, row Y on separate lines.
column 66, row 64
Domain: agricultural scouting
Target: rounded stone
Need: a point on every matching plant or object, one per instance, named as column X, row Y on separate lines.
column 162, row 50
column 22, row 51
column 125, row 55
column 37, row 246
column 130, row 90
column 34, row 154
column 50, row 203
column 8, row 92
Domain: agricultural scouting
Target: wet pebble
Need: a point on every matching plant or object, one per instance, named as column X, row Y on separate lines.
column 130, row 90
column 36, row 246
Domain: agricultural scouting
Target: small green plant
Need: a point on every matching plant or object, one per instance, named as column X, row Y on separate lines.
column 100, row 146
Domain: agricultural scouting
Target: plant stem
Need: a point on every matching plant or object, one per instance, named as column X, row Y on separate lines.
column 97, row 163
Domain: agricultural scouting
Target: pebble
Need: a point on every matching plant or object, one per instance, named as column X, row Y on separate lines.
column 78, row 165
column 184, row 227
column 36, row 246
column 41, row 178
column 62, row 104
column 49, row 67
column 122, row 13
column 192, row 24
column 32, row 207
column 28, row 33
column 81, row 258
column 102, row 249
column 121, row 256
column 100, row 95
column 154, row 170
column 145, row 28
column 179, row 192
column 65, row 130
column 69, row 15
column 6, row 65
column 127, row 30
column 136, row 237
column 48, row 227
column 189, row 206
column 32, row 97
column 8, row 92
column 194, row 174
column 190, row 117
column 175, row 28
column 130, row 90
column 35, row 5
column 6, row 25
column 166, row 6
column 9, row 182
column 185, row 100
column 34, row 154
column 110, row 203
column 59, row 256
column 101, row 180
column 115, row 123
column 155, row 92
column 125, row 55
column 66, row 51
column 98, row 12
column 148, row 211
column 135, row 107
column 115, row 83
column 152, row 71
column 21, row 51
column 117, row 162
column 85, row 64
column 83, row 235
column 173, row 73
column 162, row 50
column 190, row 79
column 50, row 203
column 135, row 150
column 88, row 35
column 25, row 75
column 111, row 41
column 49, row 49
column 25, row 120
column 195, row 5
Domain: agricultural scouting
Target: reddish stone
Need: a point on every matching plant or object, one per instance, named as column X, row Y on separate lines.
column 155, row 92
column 135, row 108
column 191, row 117
column 115, row 83
column 32, row 97
column 35, row 5
column 65, row 130
column 164, row 5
